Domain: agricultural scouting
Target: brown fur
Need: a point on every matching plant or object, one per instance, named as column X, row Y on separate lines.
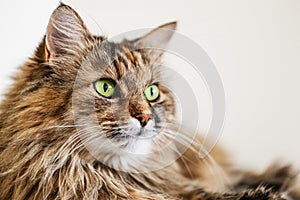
column 42, row 156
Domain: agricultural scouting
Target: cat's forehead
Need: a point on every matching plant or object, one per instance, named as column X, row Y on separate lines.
column 121, row 62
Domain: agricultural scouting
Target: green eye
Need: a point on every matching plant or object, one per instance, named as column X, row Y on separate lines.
column 152, row 93
column 105, row 87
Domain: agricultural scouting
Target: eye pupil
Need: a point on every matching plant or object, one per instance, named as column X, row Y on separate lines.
column 151, row 91
column 105, row 87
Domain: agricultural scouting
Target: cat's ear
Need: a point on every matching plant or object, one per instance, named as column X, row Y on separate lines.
column 159, row 37
column 66, row 32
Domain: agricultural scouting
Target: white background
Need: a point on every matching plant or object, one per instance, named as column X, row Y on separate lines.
column 255, row 46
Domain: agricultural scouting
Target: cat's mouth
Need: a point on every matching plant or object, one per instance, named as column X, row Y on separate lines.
column 134, row 131
column 134, row 134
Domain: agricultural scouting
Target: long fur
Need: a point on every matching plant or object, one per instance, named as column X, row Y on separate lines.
column 43, row 142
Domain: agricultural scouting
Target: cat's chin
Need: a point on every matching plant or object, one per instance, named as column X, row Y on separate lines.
column 129, row 157
column 131, row 149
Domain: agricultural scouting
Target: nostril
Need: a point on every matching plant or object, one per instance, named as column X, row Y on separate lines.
column 143, row 118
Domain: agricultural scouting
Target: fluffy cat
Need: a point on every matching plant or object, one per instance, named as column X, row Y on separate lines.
column 87, row 118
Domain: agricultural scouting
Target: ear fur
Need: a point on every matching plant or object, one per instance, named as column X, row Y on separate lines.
column 159, row 37
column 66, row 33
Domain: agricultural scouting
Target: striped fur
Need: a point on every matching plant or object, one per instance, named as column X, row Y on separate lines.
column 47, row 136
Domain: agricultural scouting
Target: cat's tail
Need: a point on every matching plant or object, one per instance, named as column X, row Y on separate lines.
column 278, row 178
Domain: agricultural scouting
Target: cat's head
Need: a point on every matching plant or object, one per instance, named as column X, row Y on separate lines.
column 119, row 104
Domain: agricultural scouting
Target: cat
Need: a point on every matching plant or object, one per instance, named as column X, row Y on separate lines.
column 87, row 118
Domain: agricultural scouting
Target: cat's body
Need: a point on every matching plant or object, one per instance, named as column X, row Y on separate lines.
column 47, row 149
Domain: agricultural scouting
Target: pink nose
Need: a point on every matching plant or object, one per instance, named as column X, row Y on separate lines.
column 143, row 118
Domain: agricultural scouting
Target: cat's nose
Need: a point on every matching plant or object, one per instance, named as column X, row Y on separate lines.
column 143, row 118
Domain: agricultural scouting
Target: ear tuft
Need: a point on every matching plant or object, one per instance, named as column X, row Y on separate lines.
column 159, row 37
column 66, row 32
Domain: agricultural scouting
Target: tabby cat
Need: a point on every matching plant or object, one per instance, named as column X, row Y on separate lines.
column 87, row 118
